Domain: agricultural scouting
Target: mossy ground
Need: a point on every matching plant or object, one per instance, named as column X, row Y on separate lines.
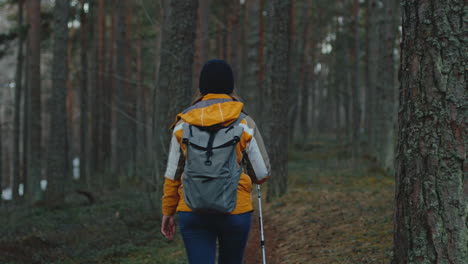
column 120, row 227
column 337, row 210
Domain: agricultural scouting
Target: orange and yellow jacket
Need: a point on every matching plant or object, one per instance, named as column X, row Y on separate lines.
column 216, row 109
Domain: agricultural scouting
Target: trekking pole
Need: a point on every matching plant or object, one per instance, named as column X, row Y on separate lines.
column 262, row 238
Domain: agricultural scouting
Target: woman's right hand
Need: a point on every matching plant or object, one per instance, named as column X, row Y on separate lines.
column 168, row 226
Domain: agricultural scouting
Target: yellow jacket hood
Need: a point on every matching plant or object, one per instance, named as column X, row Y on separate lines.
column 212, row 109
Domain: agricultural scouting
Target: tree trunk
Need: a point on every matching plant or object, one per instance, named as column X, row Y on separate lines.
column 111, row 74
column 141, row 143
column 313, row 103
column 371, row 105
column 69, row 101
column 84, row 115
column 98, row 93
column 220, row 41
column 108, row 96
column 306, row 72
column 347, row 86
column 202, row 42
column 242, row 49
column 250, row 91
column 278, row 63
column 153, row 131
column 1, row 160
column 18, row 93
column 356, row 82
column 204, row 20
column 339, row 82
column 431, row 173
column 261, row 64
column 293, row 68
column 123, row 125
column 25, row 127
column 57, row 157
column 34, row 126
column 175, row 76
column 92, row 77
column 130, row 90
column 233, row 34
column 386, row 87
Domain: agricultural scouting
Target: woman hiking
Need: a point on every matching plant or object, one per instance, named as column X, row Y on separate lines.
column 204, row 180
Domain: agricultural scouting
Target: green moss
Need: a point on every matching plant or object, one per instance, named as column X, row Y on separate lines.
column 120, row 228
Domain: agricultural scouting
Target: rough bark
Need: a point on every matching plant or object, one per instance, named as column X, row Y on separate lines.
column 57, row 157
column 34, row 119
column 278, row 74
column 18, row 93
column 431, row 210
column 173, row 90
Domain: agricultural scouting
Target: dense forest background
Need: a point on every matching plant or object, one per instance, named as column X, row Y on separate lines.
column 118, row 98
column 350, row 107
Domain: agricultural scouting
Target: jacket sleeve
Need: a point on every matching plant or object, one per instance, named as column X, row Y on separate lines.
column 174, row 169
column 257, row 160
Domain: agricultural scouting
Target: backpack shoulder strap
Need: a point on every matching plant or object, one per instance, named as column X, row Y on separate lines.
column 186, row 132
column 239, row 119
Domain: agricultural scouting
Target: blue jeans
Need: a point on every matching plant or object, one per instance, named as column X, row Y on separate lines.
column 200, row 232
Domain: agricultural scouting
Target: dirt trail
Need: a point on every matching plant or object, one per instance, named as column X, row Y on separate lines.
column 253, row 254
column 336, row 211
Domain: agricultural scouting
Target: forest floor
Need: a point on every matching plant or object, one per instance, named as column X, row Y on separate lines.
column 336, row 210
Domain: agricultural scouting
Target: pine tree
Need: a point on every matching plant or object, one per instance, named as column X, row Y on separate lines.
column 57, row 157
column 33, row 146
column 431, row 172
column 84, row 112
column 174, row 87
column 277, row 63
column 18, row 95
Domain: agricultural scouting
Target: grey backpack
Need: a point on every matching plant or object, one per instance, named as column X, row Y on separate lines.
column 211, row 172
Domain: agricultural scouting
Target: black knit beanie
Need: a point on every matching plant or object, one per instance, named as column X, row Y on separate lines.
column 216, row 77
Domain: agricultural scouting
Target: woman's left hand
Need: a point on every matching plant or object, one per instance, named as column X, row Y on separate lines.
column 168, row 226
